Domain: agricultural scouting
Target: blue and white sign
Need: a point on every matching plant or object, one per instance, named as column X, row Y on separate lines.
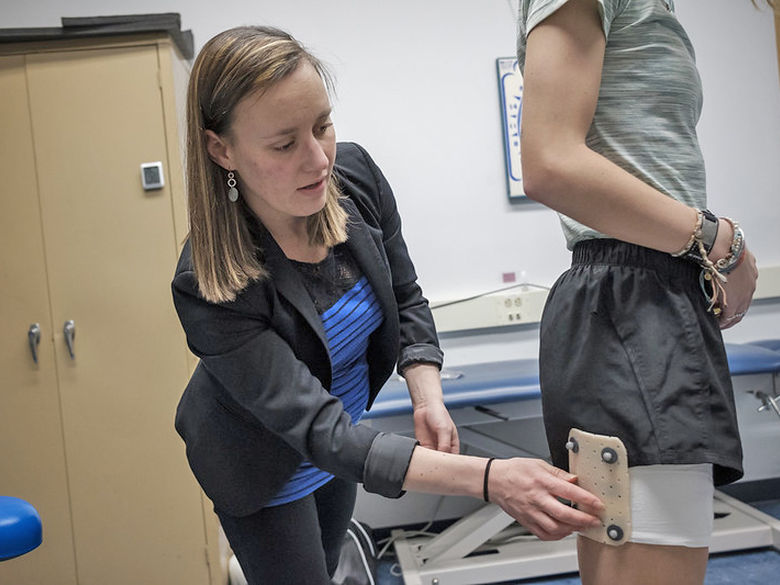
column 510, row 82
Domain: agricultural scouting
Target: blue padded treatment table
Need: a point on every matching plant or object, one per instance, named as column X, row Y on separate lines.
column 773, row 344
column 471, row 385
column 20, row 527
column 758, row 357
column 755, row 368
column 479, row 398
column 481, row 385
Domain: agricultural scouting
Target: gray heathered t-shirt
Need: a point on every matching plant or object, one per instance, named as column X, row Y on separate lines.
column 649, row 102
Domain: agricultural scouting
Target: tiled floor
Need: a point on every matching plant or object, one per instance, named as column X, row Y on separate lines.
column 754, row 567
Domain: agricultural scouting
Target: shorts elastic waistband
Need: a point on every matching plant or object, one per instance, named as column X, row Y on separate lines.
column 617, row 253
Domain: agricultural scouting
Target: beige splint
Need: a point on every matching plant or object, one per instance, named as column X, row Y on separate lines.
column 600, row 463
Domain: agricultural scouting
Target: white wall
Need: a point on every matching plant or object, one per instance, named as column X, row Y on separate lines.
column 417, row 86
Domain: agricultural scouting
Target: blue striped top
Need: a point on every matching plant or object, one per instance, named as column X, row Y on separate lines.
column 348, row 324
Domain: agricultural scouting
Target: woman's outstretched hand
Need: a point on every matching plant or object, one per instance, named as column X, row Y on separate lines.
column 530, row 490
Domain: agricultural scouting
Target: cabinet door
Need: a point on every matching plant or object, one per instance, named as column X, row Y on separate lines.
column 111, row 250
column 32, row 455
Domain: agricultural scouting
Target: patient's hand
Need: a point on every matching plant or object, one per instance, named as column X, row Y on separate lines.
column 528, row 490
column 739, row 291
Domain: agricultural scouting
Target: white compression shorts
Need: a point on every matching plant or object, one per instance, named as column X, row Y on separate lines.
column 672, row 504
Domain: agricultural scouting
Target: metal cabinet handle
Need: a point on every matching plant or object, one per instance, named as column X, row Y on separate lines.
column 70, row 333
column 34, row 339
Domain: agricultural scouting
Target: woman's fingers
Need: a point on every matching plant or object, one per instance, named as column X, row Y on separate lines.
column 569, row 490
column 531, row 491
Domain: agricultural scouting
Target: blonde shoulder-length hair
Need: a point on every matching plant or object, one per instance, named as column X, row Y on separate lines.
column 236, row 63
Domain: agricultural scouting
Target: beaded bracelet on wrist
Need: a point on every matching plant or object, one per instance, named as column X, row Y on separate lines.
column 694, row 235
column 737, row 249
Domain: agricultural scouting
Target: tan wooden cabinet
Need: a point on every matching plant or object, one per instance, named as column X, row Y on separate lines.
column 86, row 431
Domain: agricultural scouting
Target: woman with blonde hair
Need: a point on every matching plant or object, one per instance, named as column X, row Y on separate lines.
column 296, row 291
column 630, row 342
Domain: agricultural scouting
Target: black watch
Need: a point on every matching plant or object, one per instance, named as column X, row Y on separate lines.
column 709, row 231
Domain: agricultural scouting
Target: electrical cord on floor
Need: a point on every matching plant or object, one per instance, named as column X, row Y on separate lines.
column 386, row 543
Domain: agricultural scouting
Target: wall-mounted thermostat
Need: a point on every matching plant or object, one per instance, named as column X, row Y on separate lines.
column 152, row 176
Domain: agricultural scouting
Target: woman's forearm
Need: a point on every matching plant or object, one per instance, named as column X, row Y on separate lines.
column 424, row 383
column 436, row 472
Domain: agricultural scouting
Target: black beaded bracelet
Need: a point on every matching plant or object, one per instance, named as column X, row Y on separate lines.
column 485, row 495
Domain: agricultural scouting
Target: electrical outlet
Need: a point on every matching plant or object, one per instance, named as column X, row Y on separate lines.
column 516, row 307
column 522, row 306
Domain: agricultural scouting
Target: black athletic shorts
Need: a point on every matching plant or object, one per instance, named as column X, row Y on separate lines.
column 628, row 349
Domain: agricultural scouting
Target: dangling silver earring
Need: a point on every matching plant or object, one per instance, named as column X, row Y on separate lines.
column 233, row 192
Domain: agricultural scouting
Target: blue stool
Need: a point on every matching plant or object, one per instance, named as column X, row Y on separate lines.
column 20, row 528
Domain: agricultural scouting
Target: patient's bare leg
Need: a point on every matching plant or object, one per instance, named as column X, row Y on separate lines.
column 640, row 564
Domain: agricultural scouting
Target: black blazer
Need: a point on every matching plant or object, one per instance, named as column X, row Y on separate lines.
column 258, row 401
